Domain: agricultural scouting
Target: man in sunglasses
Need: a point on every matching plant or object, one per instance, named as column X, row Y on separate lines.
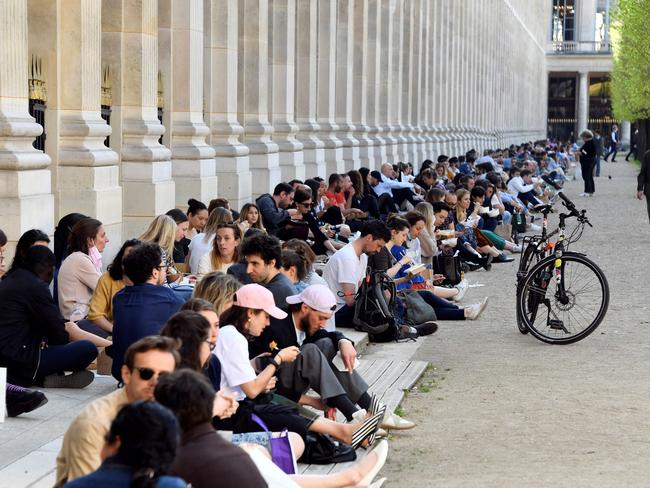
column 145, row 362
column 304, row 326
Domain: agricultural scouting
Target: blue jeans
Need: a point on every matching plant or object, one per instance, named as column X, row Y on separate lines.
column 445, row 310
column 612, row 151
column 74, row 356
column 344, row 317
column 529, row 197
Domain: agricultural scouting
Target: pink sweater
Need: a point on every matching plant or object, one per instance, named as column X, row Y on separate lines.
column 77, row 281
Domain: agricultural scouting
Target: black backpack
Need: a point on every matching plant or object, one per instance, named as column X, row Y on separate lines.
column 373, row 313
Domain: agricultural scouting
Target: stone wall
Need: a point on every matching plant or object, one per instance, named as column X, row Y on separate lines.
column 252, row 92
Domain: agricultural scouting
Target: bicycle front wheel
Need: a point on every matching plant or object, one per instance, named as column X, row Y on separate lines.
column 565, row 310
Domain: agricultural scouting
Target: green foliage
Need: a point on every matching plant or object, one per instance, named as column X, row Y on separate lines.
column 630, row 34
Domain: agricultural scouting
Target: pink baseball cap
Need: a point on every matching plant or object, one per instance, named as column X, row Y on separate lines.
column 257, row 297
column 318, row 297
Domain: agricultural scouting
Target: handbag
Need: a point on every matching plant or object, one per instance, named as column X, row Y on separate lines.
column 449, row 266
column 320, row 449
column 281, row 452
column 418, row 311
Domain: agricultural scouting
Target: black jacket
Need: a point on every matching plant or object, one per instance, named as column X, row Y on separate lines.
column 588, row 151
column 643, row 181
column 28, row 318
column 272, row 216
column 283, row 333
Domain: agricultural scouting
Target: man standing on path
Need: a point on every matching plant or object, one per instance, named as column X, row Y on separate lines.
column 643, row 185
column 613, row 148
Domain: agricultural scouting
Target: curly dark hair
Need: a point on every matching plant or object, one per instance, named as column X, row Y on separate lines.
column 189, row 395
column 141, row 261
column 262, row 245
column 149, row 436
column 192, row 329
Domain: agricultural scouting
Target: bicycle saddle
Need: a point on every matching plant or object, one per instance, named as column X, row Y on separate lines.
column 543, row 208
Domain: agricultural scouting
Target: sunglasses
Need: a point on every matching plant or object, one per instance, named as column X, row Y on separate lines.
column 147, row 373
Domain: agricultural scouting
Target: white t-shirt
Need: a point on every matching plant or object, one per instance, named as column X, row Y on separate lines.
column 199, row 248
column 236, row 369
column 205, row 265
column 344, row 267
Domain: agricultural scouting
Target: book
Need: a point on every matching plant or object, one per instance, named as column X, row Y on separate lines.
column 416, row 268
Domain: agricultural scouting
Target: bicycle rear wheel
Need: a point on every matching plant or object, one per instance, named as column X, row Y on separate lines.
column 529, row 257
column 567, row 312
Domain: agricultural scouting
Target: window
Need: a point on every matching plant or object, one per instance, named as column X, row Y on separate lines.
column 563, row 21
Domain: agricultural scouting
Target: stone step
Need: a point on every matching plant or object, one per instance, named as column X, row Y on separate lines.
column 386, row 378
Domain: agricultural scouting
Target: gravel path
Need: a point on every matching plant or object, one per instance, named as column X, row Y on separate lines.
column 502, row 409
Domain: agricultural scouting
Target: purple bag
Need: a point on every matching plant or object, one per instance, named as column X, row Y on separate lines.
column 281, row 452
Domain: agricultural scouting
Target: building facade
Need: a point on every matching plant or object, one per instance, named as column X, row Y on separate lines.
column 579, row 64
column 123, row 109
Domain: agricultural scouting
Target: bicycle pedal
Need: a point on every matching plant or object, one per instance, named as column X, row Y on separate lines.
column 557, row 325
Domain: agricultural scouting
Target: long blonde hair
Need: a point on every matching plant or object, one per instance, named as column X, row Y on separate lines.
column 218, row 216
column 217, row 288
column 461, row 213
column 161, row 231
column 426, row 209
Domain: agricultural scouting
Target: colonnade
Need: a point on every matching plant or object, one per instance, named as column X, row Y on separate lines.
column 250, row 93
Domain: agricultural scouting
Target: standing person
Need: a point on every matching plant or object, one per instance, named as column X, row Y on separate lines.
column 643, row 185
column 587, row 162
column 613, row 148
column 598, row 140
column 347, row 267
column 633, row 146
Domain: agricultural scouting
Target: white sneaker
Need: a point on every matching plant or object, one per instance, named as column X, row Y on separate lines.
column 462, row 289
column 392, row 421
column 535, row 227
column 516, row 248
column 477, row 309
column 584, row 194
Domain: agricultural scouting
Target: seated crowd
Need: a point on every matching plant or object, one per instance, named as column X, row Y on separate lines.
column 228, row 319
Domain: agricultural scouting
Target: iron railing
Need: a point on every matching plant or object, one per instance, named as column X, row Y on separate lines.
column 581, row 47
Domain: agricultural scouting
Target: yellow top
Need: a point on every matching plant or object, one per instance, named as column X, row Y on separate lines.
column 101, row 303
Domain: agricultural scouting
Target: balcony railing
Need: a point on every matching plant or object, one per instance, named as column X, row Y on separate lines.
column 581, row 47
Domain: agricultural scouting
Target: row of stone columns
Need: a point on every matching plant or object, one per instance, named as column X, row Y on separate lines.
column 254, row 92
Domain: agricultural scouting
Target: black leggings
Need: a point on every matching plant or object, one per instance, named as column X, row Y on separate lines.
column 587, row 167
column 276, row 418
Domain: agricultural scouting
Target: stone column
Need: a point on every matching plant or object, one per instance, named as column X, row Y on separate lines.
column 418, row 95
column 436, row 78
column 220, row 100
column 253, row 108
column 386, row 80
column 407, row 76
column 360, row 83
column 282, row 59
column 193, row 163
column 326, row 87
column 88, row 175
column 583, row 101
column 344, row 83
column 306, row 80
column 26, row 199
column 429, row 67
column 374, row 74
column 146, row 164
column 398, row 85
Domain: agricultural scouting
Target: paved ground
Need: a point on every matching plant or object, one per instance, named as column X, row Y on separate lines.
column 503, row 409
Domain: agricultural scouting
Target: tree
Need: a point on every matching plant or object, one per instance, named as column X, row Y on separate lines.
column 630, row 34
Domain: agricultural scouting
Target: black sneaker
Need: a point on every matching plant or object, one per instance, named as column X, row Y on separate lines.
column 426, row 328
column 23, row 400
column 406, row 333
column 78, row 379
column 487, row 262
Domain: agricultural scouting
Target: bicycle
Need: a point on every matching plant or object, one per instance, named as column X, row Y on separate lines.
column 562, row 296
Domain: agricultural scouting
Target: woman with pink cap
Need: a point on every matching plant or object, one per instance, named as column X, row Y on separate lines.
column 247, row 318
